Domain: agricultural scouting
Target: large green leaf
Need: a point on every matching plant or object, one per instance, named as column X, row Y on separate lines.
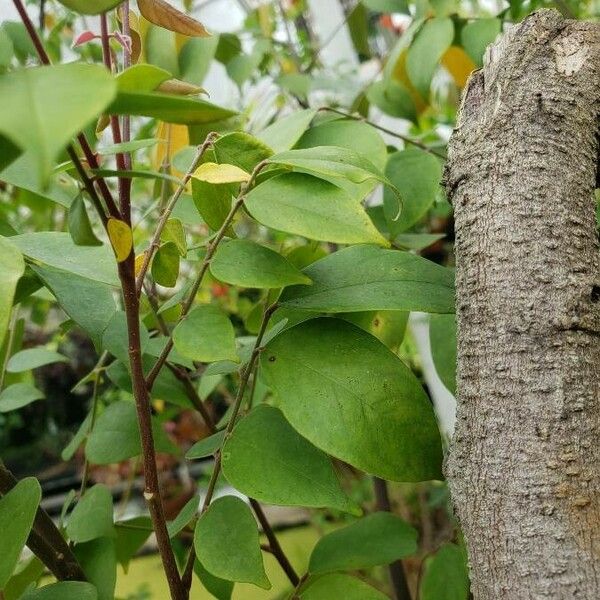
column 206, row 335
column 76, row 294
column 17, row 511
column 442, row 337
column 212, row 201
column 92, row 516
column 378, row 539
column 267, row 459
column 63, row 590
column 90, row 7
column 427, row 49
column 12, row 266
column 247, row 264
column 32, row 358
column 44, row 107
column 417, row 176
column 17, row 396
column 477, row 35
column 284, row 133
column 339, row 585
column 370, row 278
column 227, row 544
column 116, row 436
column 349, row 395
column 314, row 208
column 446, row 576
column 169, row 108
column 57, row 250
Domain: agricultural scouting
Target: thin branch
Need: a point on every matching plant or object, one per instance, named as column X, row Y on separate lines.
column 155, row 242
column 210, row 251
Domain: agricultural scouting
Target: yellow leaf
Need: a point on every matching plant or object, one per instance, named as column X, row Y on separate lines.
column 120, row 237
column 214, row 173
column 180, row 88
column 139, row 262
column 175, row 137
column 459, row 65
column 102, row 123
column 399, row 73
column 161, row 13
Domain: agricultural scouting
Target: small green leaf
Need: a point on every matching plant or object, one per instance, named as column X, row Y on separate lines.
column 206, row 335
column 370, row 278
column 32, row 358
column 127, row 146
column 426, row 50
column 478, row 35
column 241, row 149
column 186, row 514
column 141, row 78
column 206, row 446
column 92, row 516
column 247, row 264
column 393, row 98
column 338, row 585
column 446, row 576
column 442, row 337
column 174, row 232
column 284, row 133
column 12, row 266
column 314, row 208
column 377, row 539
column 265, row 458
column 99, row 563
column 227, row 544
column 116, row 435
column 382, row 423
column 417, row 175
column 115, row 339
column 213, row 202
column 80, row 227
column 17, row 396
column 165, row 265
column 90, row 7
column 131, row 535
column 44, row 107
column 17, row 512
column 221, row 589
column 387, row 6
column 63, row 590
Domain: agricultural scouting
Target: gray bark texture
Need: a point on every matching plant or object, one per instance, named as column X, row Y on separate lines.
column 524, row 466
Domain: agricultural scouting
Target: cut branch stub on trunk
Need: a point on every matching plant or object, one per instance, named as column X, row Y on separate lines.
column 524, row 463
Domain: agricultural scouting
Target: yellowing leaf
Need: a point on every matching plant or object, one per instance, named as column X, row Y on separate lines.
column 164, row 15
column 176, row 137
column 134, row 30
column 139, row 262
column 214, row 173
column 459, row 65
column 180, row 88
column 399, row 73
column 121, row 238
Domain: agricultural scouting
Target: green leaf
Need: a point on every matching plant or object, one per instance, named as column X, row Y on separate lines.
column 417, row 175
column 44, row 107
column 219, row 588
column 32, row 358
column 241, row 149
column 28, row 572
column 266, row 459
column 90, row 7
column 388, row 326
column 417, row 241
column 338, row 585
column 370, row 278
column 195, row 58
column 442, row 337
column 206, row 446
column 426, row 50
column 284, row 133
column 206, row 335
column 478, row 35
column 92, row 516
column 115, row 339
column 63, row 590
column 127, row 146
column 314, row 208
column 382, row 423
column 141, row 78
column 165, row 265
column 387, row 6
column 116, row 435
column 80, row 227
column 247, row 264
column 17, row 396
column 174, row 232
column 76, row 294
column 213, row 202
column 12, row 266
column 166, row 107
column 446, row 576
column 17, row 511
column 99, row 563
column 227, row 544
column 393, row 98
column 57, row 250
column 186, row 514
column 131, row 536
column 377, row 539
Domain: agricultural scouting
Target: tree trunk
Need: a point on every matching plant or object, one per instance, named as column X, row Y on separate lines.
column 524, row 466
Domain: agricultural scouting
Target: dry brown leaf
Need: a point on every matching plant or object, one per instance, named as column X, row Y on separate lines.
column 180, row 88
column 164, row 15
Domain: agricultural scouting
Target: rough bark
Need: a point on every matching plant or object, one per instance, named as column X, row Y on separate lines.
column 524, row 466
